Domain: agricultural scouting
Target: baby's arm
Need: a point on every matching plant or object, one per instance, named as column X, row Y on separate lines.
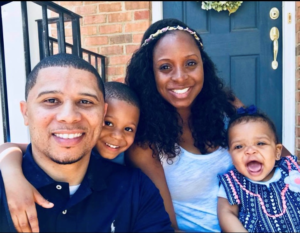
column 20, row 194
column 228, row 217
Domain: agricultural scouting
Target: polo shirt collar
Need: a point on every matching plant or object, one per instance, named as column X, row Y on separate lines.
column 93, row 178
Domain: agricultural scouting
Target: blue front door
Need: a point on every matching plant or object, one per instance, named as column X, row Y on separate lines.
column 240, row 46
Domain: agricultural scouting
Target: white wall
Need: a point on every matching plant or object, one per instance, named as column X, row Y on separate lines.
column 15, row 62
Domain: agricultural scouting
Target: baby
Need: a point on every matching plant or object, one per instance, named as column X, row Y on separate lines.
column 262, row 193
column 117, row 135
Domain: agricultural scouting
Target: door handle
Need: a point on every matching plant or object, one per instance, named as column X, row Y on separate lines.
column 274, row 35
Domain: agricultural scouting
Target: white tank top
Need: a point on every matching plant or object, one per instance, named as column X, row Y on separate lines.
column 193, row 184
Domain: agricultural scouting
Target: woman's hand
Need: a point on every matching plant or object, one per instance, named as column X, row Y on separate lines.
column 21, row 197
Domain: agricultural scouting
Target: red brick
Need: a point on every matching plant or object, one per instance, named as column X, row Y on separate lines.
column 97, row 40
column 298, row 143
column 298, row 12
column 111, row 28
column 111, row 50
column 94, row 19
column 88, row 30
column 69, row 40
column 136, row 5
column 141, row 15
column 298, row 61
column 93, row 49
column 137, row 38
column 298, row 131
column 120, row 39
column 90, row 2
column 131, row 48
column 137, row 27
column 86, row 10
column 115, row 70
column 121, row 80
column 70, row 3
column 119, row 17
column 119, row 60
column 68, row 32
column 110, row 7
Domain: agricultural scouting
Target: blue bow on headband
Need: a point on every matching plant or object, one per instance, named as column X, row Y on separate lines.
column 249, row 110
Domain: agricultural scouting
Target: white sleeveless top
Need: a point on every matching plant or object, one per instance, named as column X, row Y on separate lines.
column 193, row 184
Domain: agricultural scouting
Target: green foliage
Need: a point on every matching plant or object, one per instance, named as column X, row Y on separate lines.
column 231, row 6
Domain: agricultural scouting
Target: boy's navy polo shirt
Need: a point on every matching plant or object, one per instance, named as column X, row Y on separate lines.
column 111, row 198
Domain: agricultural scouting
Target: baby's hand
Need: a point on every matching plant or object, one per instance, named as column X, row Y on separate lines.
column 21, row 197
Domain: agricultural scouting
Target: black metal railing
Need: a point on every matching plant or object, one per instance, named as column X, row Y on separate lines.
column 45, row 46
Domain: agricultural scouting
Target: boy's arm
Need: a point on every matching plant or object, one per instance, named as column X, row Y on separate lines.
column 228, row 217
column 20, row 194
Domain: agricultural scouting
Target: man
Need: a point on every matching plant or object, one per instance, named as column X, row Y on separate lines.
column 64, row 110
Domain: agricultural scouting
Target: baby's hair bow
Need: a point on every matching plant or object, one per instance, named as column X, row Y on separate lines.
column 249, row 110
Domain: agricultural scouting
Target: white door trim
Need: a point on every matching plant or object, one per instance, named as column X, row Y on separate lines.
column 288, row 71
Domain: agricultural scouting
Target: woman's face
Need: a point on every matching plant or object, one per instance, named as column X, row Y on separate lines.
column 178, row 69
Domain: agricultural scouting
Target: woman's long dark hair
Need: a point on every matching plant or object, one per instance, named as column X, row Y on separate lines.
column 159, row 125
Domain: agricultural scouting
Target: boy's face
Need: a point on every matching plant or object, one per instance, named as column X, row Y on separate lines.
column 118, row 132
column 253, row 149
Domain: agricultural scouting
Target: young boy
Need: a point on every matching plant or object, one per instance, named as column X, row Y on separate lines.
column 117, row 135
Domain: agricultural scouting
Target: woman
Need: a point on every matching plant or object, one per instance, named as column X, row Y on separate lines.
column 181, row 134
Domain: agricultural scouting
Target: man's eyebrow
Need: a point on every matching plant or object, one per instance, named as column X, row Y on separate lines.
column 59, row 92
column 49, row 92
column 90, row 95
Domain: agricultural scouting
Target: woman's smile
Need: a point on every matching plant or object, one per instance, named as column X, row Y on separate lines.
column 178, row 73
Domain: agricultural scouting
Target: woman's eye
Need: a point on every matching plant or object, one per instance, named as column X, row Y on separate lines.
column 164, row 67
column 128, row 129
column 108, row 123
column 191, row 63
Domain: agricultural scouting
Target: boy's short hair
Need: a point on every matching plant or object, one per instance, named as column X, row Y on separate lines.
column 121, row 91
column 253, row 116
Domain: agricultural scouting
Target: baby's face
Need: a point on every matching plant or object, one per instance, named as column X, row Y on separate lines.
column 253, row 149
column 118, row 132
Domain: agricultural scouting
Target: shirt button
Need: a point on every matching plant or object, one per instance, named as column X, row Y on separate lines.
column 64, row 212
column 58, row 187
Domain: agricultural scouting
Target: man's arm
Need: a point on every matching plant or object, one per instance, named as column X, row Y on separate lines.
column 152, row 216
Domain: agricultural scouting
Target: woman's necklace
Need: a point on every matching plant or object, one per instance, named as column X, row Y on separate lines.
column 259, row 197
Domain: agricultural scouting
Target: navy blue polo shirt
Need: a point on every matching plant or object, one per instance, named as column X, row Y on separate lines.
column 111, row 198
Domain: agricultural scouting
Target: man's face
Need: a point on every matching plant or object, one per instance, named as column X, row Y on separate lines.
column 64, row 112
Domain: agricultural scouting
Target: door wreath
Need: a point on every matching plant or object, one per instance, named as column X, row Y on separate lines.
column 231, row 6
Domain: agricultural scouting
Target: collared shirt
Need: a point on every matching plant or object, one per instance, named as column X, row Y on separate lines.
column 111, row 198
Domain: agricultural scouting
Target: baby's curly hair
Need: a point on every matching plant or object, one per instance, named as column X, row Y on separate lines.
column 159, row 126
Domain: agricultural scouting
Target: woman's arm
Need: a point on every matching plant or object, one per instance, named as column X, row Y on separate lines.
column 143, row 159
column 228, row 217
column 20, row 194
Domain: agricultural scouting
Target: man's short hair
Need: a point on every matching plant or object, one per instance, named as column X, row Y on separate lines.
column 62, row 60
column 121, row 91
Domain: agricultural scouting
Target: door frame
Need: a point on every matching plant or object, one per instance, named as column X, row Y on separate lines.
column 288, row 70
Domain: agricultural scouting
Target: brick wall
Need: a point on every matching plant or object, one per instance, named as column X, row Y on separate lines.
column 113, row 29
column 297, row 13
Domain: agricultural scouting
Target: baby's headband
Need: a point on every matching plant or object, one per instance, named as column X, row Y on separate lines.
column 249, row 110
column 168, row 28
